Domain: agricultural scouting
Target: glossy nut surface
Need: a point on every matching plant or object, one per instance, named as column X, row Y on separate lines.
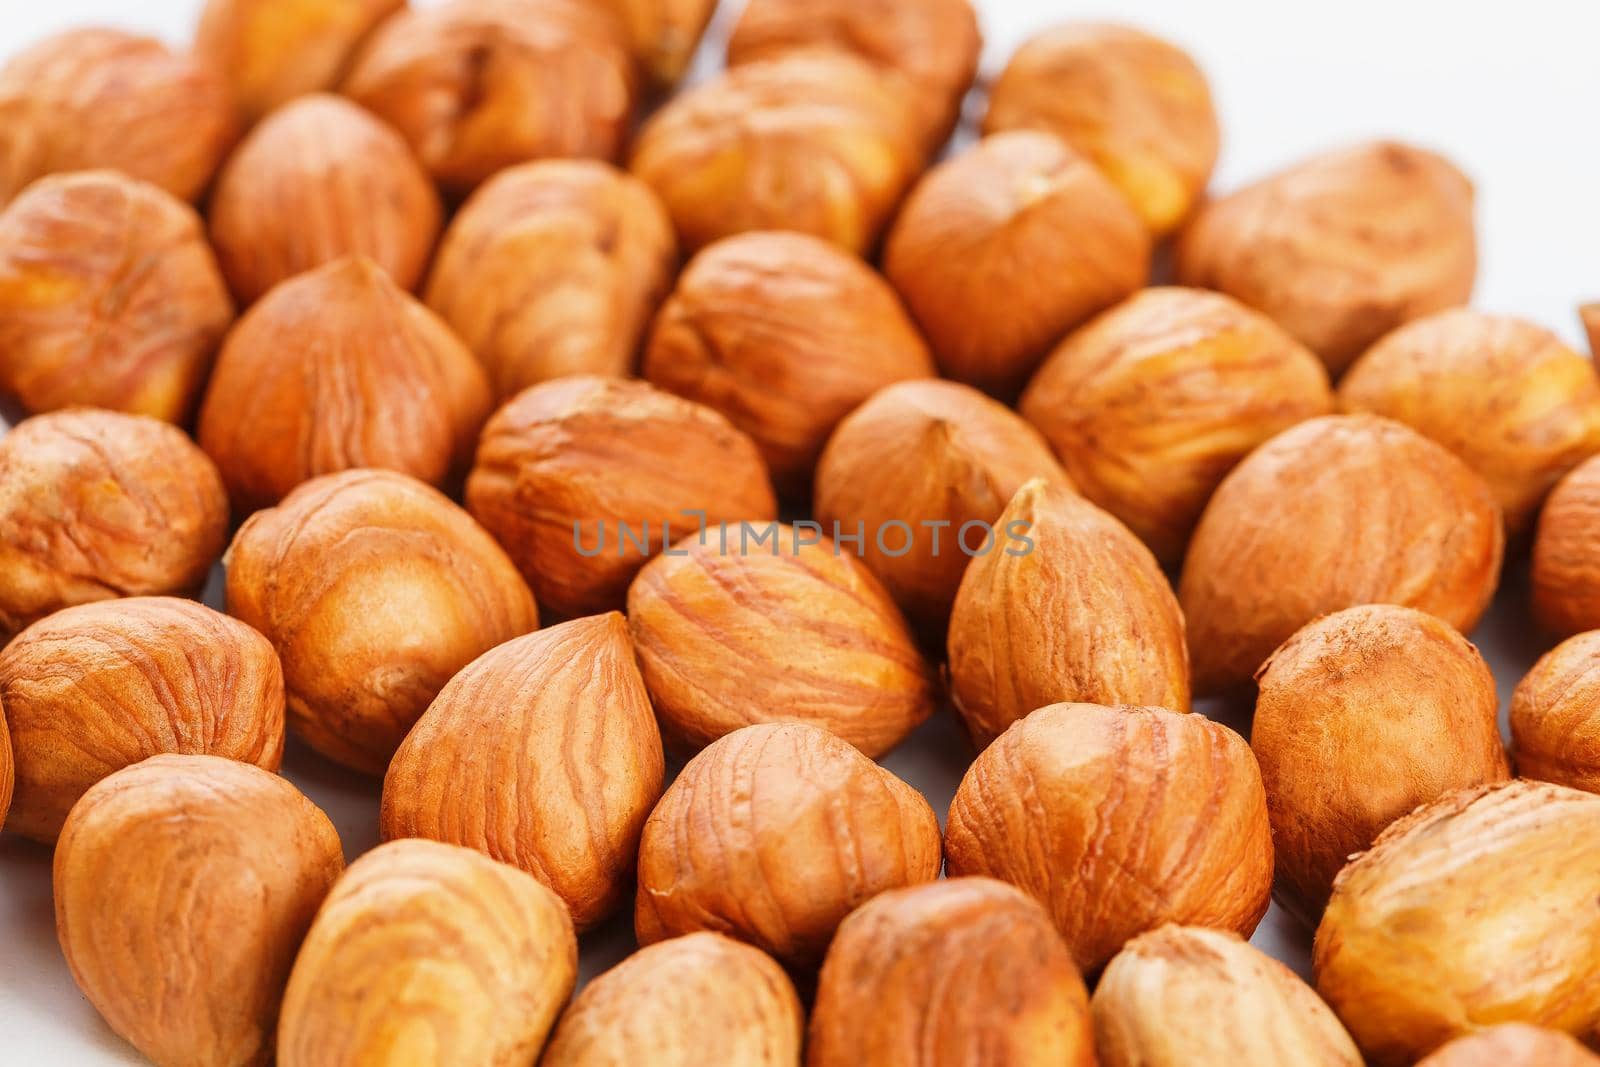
column 1555, row 716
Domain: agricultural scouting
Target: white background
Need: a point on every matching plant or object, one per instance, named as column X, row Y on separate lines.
column 1507, row 90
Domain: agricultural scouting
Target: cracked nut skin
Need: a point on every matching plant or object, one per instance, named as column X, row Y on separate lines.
column 1079, row 612
column 1338, row 511
column 692, row 1000
column 772, row 835
column 1153, row 402
column 375, row 589
column 1512, row 1045
column 553, row 269
column 183, row 888
column 98, row 687
column 1555, row 716
column 664, row 36
column 1119, row 820
column 1341, row 248
column 1481, row 907
column 542, row 753
column 110, row 297
column 1566, row 567
column 432, row 952
column 955, row 972
column 785, row 334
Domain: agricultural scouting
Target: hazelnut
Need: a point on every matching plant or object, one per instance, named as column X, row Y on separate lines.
column 543, row 754
column 476, row 86
column 183, row 886
column 428, row 946
column 1135, row 104
column 6, row 774
column 1118, row 820
column 1342, row 248
column 336, row 369
column 664, row 35
column 705, row 620
column 1338, row 511
column 773, row 834
column 1512, row 1045
column 785, row 334
column 1364, row 715
column 963, row 971
column 1065, row 605
column 318, row 180
column 1003, row 249
column 375, row 590
column 95, row 505
column 1186, row 995
column 109, row 297
column 98, row 687
column 553, row 269
column 101, row 98
column 1154, row 401
column 1508, row 397
column 1590, row 314
column 584, row 479
column 1566, row 554
column 1555, row 716
column 698, row 999
column 1473, row 910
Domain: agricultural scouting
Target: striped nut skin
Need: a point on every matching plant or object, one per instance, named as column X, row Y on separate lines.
column 772, row 835
column 428, row 953
column 692, row 1000
column 6, row 766
column 1566, row 564
column 1079, row 611
column 98, row 687
column 955, row 972
column 1555, row 716
column 183, row 888
column 95, row 505
column 1119, row 820
column 543, row 754
column 1512, row 1045
column 1481, row 907
column 664, row 35
column 1338, row 511
column 375, row 589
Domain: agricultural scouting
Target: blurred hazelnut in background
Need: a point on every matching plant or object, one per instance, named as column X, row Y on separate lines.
column 664, row 35
column 1566, row 554
column 1512, row 1043
column 1555, row 716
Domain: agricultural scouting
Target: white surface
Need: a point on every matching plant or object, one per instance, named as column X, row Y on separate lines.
column 1505, row 90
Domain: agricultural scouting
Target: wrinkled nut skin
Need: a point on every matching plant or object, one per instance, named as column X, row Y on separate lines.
column 1512, row 1045
column 1003, row 249
column 1152, row 403
column 553, row 269
column 98, row 687
column 543, row 754
column 110, row 297
column 1338, row 511
column 785, row 334
column 1185, row 995
column 1118, row 820
column 566, row 465
column 1078, row 611
column 97, row 504
column 772, row 835
column 334, row 370
column 693, row 1000
column 1566, row 566
column 1342, row 248
column 1478, row 908
column 183, row 888
column 424, row 946
column 375, row 589
column 320, row 179
column 664, row 35
column 1555, row 716
column 956, row 972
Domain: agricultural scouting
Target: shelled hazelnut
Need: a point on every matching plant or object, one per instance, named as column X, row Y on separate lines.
column 664, row 35
column 1512, row 1045
column 6, row 770
column 1555, row 716
column 1566, row 554
column 1590, row 315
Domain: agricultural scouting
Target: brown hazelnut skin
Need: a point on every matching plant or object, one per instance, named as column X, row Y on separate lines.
column 1119, row 820
column 565, row 465
column 1362, row 716
column 109, row 297
column 1566, row 565
column 320, row 179
column 1512, row 1045
column 97, row 504
column 785, row 334
column 1004, row 248
column 98, row 687
column 664, row 35
column 1338, row 511
column 1341, row 248
column 956, row 972
column 772, row 835
column 1555, row 716
column 308, row 573
column 1150, row 404
column 6, row 774
column 1589, row 314
column 188, row 882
